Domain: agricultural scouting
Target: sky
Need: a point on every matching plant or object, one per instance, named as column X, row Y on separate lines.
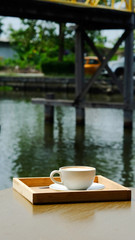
column 112, row 36
column 16, row 23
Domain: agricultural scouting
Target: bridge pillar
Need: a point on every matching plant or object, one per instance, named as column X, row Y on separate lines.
column 79, row 73
column 128, row 82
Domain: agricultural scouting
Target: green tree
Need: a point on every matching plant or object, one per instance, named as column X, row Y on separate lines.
column 37, row 42
column 98, row 40
column 34, row 42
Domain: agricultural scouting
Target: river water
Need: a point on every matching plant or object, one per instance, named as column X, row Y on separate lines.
column 29, row 147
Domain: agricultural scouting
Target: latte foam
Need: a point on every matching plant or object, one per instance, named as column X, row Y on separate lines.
column 77, row 168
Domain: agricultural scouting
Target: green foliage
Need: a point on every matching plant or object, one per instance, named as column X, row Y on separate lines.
column 2, row 64
column 6, row 88
column 98, row 41
column 115, row 57
column 52, row 67
column 96, row 37
column 39, row 41
column 38, row 44
column 33, row 43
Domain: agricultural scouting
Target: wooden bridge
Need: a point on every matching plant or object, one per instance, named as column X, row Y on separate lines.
column 87, row 15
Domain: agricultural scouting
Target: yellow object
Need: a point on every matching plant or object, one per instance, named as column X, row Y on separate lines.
column 123, row 5
column 91, row 64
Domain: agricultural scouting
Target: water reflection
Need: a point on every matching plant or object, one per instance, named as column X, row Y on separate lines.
column 30, row 147
column 48, row 134
column 60, row 139
column 127, row 173
column 79, row 145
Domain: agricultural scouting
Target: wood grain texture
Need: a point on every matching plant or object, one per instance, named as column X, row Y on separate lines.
column 31, row 189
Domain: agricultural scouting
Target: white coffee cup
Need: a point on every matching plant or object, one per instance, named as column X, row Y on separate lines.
column 75, row 177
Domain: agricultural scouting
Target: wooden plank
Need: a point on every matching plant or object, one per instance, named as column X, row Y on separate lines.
column 52, row 102
column 36, row 181
column 23, row 189
column 70, row 103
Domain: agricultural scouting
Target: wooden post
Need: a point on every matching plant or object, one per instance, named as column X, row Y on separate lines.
column 79, row 145
column 49, row 110
column 128, row 82
column 79, row 73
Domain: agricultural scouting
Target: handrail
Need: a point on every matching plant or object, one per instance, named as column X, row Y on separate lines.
column 123, row 5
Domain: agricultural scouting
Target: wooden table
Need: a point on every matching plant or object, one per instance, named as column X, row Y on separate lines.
column 20, row 220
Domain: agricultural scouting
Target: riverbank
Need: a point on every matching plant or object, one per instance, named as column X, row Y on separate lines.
column 39, row 82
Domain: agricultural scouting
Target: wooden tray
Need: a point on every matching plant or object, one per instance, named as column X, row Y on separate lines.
column 31, row 189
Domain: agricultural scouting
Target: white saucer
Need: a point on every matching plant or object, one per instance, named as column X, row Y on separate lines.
column 94, row 186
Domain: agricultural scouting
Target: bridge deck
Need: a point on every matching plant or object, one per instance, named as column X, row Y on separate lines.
column 90, row 17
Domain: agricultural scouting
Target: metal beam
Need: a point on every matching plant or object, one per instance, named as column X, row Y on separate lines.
column 79, row 72
column 81, row 96
column 79, row 61
column 128, row 80
column 111, row 74
column 91, row 17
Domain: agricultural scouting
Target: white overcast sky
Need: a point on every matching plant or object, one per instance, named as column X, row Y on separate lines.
column 16, row 23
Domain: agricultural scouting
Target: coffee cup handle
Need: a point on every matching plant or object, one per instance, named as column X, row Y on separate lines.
column 52, row 176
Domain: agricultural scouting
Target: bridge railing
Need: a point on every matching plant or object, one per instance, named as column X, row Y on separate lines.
column 123, row 5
